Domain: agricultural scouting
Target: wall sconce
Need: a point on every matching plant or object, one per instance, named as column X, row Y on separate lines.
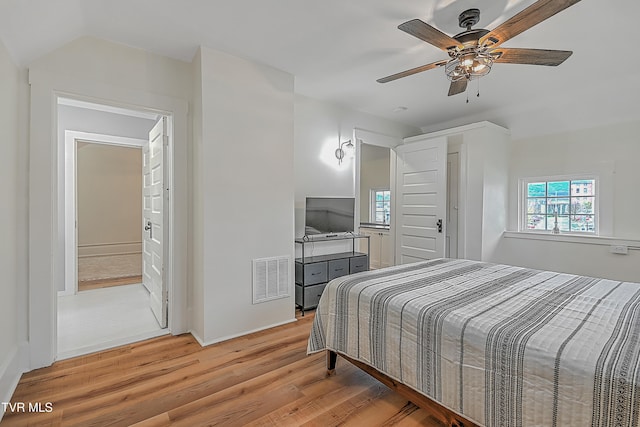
column 340, row 151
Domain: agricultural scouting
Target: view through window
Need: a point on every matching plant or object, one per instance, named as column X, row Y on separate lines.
column 570, row 202
column 381, row 206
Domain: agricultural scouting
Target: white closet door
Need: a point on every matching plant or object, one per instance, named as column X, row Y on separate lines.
column 420, row 200
column 154, row 221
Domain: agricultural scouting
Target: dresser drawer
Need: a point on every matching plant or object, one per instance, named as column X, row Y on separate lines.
column 358, row 263
column 311, row 295
column 315, row 273
column 338, row 267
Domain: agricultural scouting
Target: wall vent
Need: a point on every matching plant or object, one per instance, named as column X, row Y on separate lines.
column 271, row 278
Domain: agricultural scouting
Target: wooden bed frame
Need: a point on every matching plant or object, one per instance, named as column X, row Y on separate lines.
column 444, row 415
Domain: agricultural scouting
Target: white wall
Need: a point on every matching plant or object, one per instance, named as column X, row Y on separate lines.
column 318, row 125
column 101, row 122
column 96, row 70
column 9, row 284
column 109, row 199
column 612, row 152
column 244, row 179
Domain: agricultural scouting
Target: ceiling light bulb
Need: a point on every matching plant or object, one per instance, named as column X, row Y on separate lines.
column 478, row 67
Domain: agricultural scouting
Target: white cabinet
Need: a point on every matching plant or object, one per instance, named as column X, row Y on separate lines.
column 381, row 247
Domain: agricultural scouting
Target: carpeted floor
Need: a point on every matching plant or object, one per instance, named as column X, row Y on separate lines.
column 109, row 266
column 110, row 270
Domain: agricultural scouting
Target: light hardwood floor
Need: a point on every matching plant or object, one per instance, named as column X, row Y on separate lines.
column 86, row 285
column 261, row 379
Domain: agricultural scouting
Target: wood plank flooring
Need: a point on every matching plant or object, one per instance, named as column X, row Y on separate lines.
column 263, row 379
column 85, row 285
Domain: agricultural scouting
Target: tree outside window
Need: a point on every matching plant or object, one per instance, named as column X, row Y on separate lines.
column 570, row 202
column 380, row 206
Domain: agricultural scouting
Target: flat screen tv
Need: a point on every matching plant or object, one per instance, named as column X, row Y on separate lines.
column 328, row 215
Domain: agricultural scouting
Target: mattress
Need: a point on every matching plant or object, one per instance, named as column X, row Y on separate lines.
column 501, row 345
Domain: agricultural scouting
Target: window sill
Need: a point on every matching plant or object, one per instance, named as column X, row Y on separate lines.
column 573, row 238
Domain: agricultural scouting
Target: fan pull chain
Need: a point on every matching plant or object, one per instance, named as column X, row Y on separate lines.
column 478, row 94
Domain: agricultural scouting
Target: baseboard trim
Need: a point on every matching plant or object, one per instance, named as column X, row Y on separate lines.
column 82, row 351
column 109, row 249
column 241, row 334
column 10, row 372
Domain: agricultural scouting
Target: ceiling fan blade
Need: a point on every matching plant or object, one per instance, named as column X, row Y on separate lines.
column 458, row 87
column 411, row 71
column 531, row 56
column 532, row 15
column 429, row 34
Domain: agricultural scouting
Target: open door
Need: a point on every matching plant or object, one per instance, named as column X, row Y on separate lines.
column 421, row 200
column 155, row 221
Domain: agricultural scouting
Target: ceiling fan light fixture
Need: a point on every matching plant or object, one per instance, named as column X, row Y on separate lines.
column 468, row 66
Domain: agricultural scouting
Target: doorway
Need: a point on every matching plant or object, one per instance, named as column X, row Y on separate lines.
column 104, row 233
column 108, row 206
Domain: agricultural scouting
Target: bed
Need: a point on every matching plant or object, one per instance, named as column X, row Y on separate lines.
column 490, row 344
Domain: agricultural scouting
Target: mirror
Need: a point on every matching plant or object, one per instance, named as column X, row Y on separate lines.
column 375, row 184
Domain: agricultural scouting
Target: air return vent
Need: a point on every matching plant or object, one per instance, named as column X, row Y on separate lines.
column 271, row 278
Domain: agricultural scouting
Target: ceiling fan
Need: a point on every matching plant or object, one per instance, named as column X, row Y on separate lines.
column 473, row 51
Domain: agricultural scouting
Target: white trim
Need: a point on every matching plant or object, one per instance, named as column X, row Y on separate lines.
column 377, row 139
column 573, row 238
column 46, row 258
column 204, row 343
column 458, row 130
column 108, row 108
column 110, row 344
column 10, row 373
column 71, row 138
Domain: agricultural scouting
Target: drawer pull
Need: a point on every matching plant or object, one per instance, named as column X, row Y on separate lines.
column 338, row 269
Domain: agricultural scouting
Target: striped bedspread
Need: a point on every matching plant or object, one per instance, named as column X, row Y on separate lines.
column 501, row 345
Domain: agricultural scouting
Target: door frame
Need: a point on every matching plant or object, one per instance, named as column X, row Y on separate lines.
column 46, row 198
column 71, row 139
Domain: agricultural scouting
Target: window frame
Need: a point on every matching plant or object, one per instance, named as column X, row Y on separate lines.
column 523, row 205
column 372, row 205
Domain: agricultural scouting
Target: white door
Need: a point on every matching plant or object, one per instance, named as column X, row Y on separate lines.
column 154, row 221
column 420, row 200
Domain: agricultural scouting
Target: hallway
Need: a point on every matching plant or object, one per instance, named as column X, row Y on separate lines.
column 98, row 319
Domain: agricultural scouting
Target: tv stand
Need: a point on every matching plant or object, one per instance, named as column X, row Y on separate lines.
column 312, row 273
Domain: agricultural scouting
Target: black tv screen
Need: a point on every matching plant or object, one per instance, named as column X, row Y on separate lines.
column 326, row 215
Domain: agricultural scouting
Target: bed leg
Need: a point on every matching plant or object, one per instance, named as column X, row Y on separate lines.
column 332, row 356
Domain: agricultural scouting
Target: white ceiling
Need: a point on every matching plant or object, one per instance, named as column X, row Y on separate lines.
column 337, row 49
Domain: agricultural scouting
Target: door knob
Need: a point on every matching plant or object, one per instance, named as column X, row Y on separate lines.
column 148, row 226
column 439, row 225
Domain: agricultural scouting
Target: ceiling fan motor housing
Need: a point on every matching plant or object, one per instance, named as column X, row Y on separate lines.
column 469, row 18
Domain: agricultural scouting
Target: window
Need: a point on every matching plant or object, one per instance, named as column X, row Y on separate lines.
column 380, row 206
column 569, row 202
